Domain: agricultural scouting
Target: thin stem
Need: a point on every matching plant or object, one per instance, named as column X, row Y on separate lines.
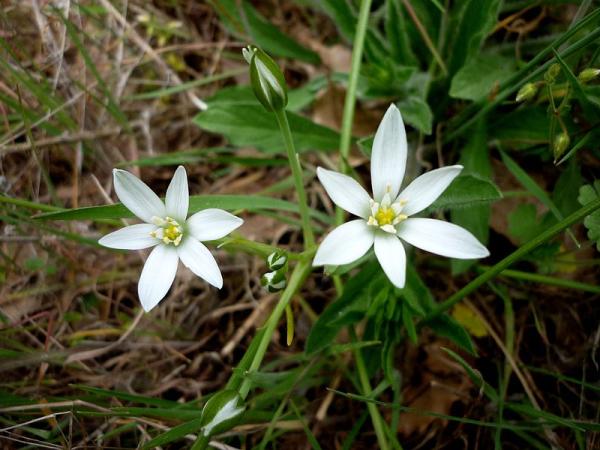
column 298, row 276
column 284, row 126
column 350, row 101
column 552, row 281
column 514, row 257
column 376, row 418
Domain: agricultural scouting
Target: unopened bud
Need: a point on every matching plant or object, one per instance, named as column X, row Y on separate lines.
column 561, row 143
column 276, row 260
column 527, row 92
column 587, row 75
column 221, row 412
column 266, row 78
column 274, row 281
column 551, row 74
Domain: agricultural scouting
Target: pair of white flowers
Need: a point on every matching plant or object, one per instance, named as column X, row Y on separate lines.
column 384, row 220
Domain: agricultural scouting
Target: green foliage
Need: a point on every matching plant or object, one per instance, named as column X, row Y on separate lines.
column 587, row 194
column 481, row 76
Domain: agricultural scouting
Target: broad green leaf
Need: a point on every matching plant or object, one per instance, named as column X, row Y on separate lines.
column 475, row 159
column 253, row 126
column 197, row 203
column 397, row 34
column 524, row 127
column 449, row 328
column 567, row 188
column 478, row 19
column 480, row 76
column 466, row 191
column 262, row 32
column 587, row 194
column 416, row 112
column 346, row 310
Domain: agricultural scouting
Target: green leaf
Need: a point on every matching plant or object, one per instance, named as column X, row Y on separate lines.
column 587, row 194
column 523, row 127
column 253, row 126
column 197, row 203
column 350, row 308
column 465, row 191
column 416, row 112
column 480, row 76
column 475, row 159
column 447, row 327
column 477, row 20
column 265, row 35
column 397, row 34
column 175, row 433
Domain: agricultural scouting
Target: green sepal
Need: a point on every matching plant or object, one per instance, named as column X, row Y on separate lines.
column 267, row 80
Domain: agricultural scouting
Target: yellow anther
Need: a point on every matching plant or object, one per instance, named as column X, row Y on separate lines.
column 384, row 216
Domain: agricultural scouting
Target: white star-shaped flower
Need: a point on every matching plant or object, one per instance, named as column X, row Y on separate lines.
column 386, row 219
column 173, row 235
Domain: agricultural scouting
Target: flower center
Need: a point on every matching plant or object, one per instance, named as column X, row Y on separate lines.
column 386, row 215
column 170, row 232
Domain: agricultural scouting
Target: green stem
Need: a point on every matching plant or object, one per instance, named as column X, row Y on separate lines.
column 514, row 257
column 545, row 279
column 298, row 276
column 350, row 100
column 284, row 126
column 367, row 391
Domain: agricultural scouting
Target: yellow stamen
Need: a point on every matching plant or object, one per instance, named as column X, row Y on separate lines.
column 384, row 216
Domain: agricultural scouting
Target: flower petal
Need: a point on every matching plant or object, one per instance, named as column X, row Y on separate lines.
column 442, row 238
column 212, row 223
column 345, row 192
column 345, row 244
column 137, row 196
column 196, row 257
column 157, row 275
column 424, row 190
column 178, row 197
column 388, row 159
column 133, row 237
column 392, row 257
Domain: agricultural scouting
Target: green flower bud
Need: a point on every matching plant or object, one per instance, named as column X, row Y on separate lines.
column 274, row 281
column 587, row 75
column 266, row 78
column 551, row 74
column 527, row 92
column 221, row 412
column 276, row 260
column 561, row 143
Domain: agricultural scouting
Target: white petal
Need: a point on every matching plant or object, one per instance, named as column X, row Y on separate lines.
column 157, row 276
column 136, row 196
column 442, row 238
column 196, row 257
column 133, row 237
column 212, row 223
column 345, row 192
column 424, row 190
column 178, row 196
column 392, row 257
column 345, row 244
column 388, row 159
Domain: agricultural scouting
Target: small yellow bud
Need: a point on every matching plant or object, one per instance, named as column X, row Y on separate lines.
column 561, row 143
column 588, row 75
column 527, row 92
column 551, row 74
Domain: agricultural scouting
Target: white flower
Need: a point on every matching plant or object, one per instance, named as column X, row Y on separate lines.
column 386, row 217
column 170, row 231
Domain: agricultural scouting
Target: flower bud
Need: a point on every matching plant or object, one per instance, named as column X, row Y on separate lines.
column 221, row 412
column 587, row 75
column 274, row 281
column 527, row 92
column 276, row 260
column 266, row 78
column 551, row 74
column 561, row 143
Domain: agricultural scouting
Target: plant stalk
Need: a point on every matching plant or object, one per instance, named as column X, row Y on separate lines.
column 284, row 126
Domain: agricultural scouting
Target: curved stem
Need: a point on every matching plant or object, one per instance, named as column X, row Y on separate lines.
column 284, row 126
column 298, row 276
column 514, row 257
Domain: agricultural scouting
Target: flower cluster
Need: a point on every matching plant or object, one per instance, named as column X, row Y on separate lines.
column 385, row 219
